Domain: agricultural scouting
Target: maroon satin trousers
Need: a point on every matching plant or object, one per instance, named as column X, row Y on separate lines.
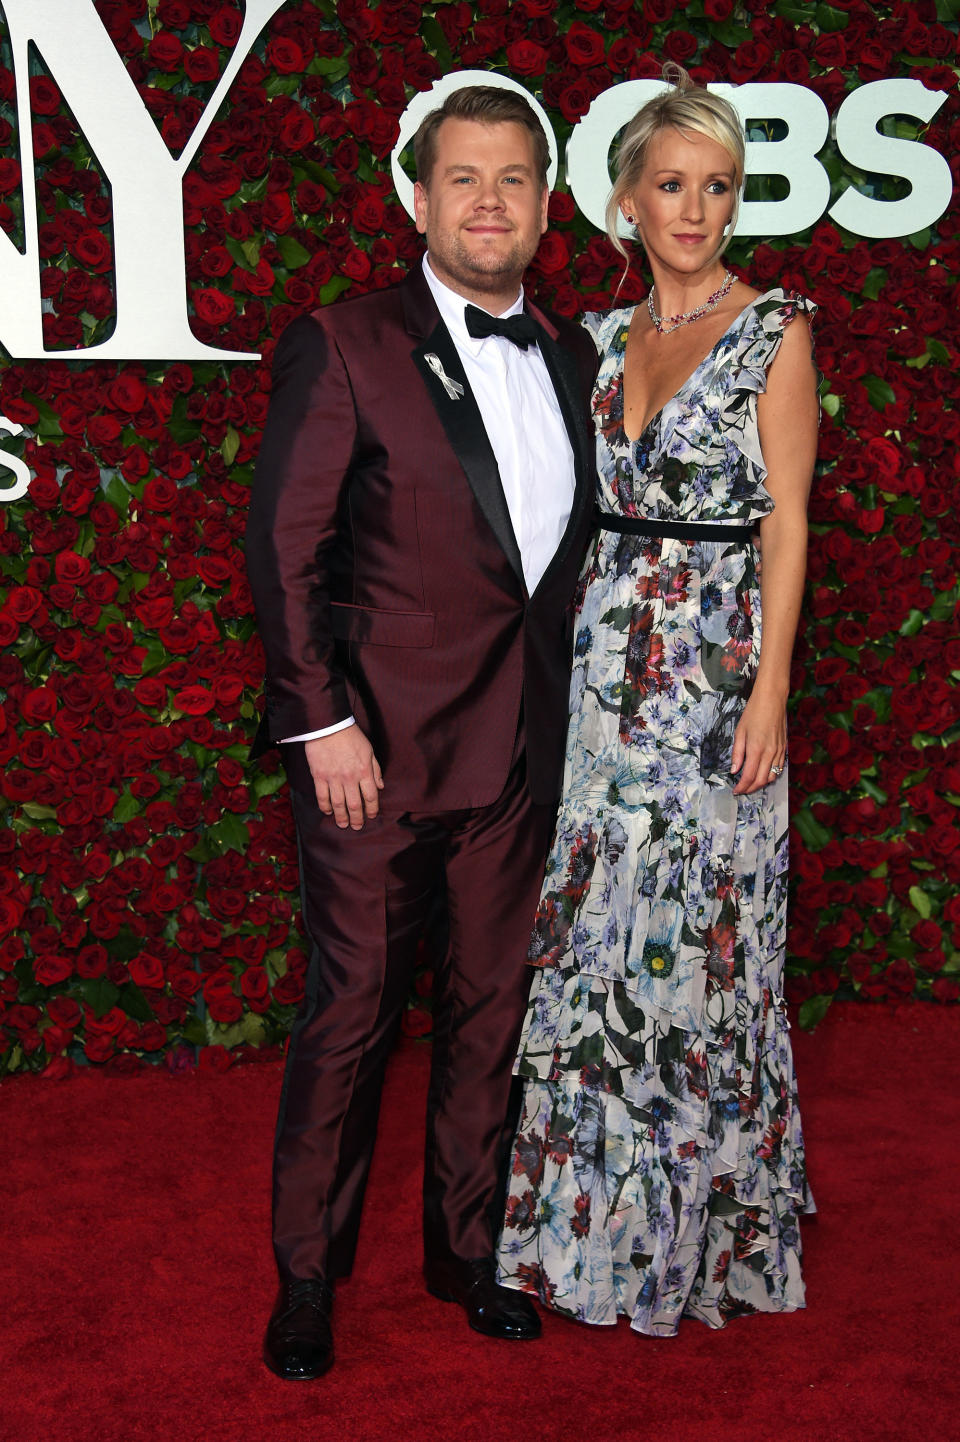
column 365, row 897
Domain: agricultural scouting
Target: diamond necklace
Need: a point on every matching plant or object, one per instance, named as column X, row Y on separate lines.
column 667, row 323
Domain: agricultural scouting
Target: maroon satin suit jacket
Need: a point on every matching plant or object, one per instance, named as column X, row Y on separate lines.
column 384, row 567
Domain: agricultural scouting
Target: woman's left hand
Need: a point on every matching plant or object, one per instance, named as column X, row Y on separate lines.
column 759, row 743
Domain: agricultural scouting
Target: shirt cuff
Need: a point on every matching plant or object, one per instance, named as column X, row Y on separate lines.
column 327, row 731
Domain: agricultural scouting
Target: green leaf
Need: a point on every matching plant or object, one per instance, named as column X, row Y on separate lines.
column 253, row 1028
column 127, row 808
column 731, row 33
column 194, row 1031
column 241, row 252
column 332, row 66
column 920, row 239
column 219, row 1033
column 920, row 901
column 814, row 835
column 281, row 85
column 117, row 493
column 813, row 1010
column 938, row 351
column 948, row 10
column 36, row 812
column 268, row 785
column 334, row 287
column 873, row 790
column 913, row 623
column 829, row 19
column 879, row 392
column 134, row 1003
column 229, row 834
column 294, row 254
column 275, row 965
column 229, row 446
column 874, row 283
column 830, row 403
column 942, row 608
column 436, row 42
column 99, row 994
column 125, row 945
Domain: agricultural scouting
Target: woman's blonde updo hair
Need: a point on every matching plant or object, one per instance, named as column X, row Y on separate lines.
column 686, row 107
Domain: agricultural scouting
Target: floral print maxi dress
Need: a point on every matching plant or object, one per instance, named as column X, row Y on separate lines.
column 658, row 1168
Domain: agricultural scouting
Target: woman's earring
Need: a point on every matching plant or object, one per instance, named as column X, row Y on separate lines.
column 631, row 219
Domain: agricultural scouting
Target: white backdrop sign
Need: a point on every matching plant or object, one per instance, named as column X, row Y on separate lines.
column 146, row 181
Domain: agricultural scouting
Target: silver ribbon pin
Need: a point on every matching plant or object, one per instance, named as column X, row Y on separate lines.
column 453, row 388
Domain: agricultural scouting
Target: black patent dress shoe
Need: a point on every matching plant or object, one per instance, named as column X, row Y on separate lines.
column 299, row 1341
column 491, row 1309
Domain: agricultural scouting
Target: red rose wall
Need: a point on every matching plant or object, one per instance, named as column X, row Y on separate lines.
column 149, row 905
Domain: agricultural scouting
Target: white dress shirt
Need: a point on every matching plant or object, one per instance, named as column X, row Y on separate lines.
column 526, row 431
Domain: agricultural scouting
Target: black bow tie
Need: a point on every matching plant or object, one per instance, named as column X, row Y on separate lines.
column 521, row 329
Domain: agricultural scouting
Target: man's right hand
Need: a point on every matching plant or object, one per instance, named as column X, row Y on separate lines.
column 346, row 775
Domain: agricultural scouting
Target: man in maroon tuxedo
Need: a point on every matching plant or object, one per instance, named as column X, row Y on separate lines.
column 417, row 523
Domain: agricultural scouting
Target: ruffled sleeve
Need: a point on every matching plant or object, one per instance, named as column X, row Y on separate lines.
column 760, row 338
column 756, row 350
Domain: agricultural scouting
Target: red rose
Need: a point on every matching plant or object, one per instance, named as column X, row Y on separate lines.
column 201, row 65
column 553, row 253
column 64, row 1011
column 127, row 392
column 284, row 55
column 288, row 990
column 147, row 971
column 52, row 969
column 213, row 307
column 830, row 50
column 680, row 46
column 525, row 57
column 9, row 177
column 296, row 130
column 71, row 569
column 224, row 26
column 574, row 101
column 278, row 213
column 583, row 45
column 24, row 602
column 165, row 51
column 356, row 265
column 927, row 935
column 39, row 706
column 222, row 1002
column 368, row 215
column 44, row 96
column 174, row 14
column 255, row 985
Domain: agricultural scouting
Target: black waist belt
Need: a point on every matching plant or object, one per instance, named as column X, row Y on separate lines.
column 673, row 530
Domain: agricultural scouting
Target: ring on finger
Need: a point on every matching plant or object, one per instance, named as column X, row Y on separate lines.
column 776, row 771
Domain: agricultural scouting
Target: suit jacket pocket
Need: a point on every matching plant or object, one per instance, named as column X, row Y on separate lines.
column 372, row 627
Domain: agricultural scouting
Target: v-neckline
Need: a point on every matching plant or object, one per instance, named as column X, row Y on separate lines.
column 633, row 440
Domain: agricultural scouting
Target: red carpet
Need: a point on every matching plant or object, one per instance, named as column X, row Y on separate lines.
column 136, row 1276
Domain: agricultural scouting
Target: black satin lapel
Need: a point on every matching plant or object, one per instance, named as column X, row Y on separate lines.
column 565, row 375
column 463, row 424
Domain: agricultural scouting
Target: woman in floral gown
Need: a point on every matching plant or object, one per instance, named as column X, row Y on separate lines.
column 658, row 1170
